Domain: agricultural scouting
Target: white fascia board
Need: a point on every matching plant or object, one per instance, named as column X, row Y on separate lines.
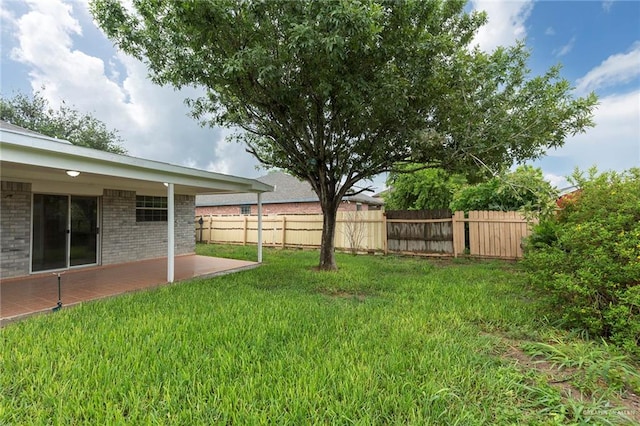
column 45, row 152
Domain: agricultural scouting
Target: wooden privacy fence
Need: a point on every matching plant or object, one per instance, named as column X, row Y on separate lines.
column 358, row 231
column 440, row 233
column 492, row 234
column 426, row 233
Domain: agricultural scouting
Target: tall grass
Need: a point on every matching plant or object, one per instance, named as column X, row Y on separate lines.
column 384, row 340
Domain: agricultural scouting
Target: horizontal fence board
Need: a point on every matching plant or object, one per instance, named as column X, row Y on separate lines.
column 418, row 220
column 419, row 214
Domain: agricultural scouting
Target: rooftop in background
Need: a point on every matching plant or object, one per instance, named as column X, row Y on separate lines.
column 286, row 189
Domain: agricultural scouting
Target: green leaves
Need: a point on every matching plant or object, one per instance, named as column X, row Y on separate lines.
column 523, row 189
column 427, row 189
column 588, row 257
column 64, row 123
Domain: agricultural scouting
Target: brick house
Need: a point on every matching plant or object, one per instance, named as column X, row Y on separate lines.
column 289, row 196
column 65, row 206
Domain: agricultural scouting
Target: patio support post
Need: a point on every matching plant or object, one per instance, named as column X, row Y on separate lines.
column 170, row 234
column 259, row 227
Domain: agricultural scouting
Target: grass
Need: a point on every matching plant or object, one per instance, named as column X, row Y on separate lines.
column 385, row 340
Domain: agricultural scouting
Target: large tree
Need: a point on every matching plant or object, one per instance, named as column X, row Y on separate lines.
column 338, row 91
column 35, row 113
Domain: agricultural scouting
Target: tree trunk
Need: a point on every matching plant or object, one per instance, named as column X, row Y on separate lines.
column 327, row 248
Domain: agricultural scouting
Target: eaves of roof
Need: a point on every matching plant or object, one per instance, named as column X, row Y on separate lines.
column 28, row 151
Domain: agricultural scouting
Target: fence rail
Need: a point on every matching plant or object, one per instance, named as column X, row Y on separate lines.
column 426, row 233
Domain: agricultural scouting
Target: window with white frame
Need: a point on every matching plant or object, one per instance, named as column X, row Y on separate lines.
column 150, row 208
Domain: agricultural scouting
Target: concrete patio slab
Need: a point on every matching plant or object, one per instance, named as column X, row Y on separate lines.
column 20, row 297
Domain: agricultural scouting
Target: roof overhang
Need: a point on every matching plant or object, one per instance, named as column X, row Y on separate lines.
column 25, row 157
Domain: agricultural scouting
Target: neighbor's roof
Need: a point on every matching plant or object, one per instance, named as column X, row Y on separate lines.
column 286, row 189
column 30, row 156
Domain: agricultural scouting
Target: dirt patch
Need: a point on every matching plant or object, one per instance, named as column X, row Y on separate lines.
column 557, row 378
column 628, row 402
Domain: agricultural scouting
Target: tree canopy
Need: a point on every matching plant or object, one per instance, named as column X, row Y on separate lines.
column 425, row 189
column 35, row 113
column 339, row 91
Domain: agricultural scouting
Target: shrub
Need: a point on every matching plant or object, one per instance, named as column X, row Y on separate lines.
column 587, row 257
column 524, row 188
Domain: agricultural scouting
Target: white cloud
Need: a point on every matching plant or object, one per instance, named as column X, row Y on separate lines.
column 566, row 48
column 550, row 31
column 6, row 17
column 45, row 45
column 151, row 119
column 616, row 69
column 606, row 5
column 506, row 22
column 558, row 181
column 613, row 144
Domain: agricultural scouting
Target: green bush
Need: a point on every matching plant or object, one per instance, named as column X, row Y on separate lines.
column 524, row 188
column 587, row 257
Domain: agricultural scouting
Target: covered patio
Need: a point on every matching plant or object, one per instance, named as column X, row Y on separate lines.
column 20, row 297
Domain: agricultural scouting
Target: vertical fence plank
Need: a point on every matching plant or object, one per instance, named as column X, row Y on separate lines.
column 495, row 228
column 513, row 242
column 498, row 249
column 520, row 232
column 473, row 234
column 487, row 233
column 480, row 235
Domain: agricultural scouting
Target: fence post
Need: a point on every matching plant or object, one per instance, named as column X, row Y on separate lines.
column 458, row 233
column 454, row 229
column 244, row 232
column 210, row 228
column 284, row 231
column 385, row 243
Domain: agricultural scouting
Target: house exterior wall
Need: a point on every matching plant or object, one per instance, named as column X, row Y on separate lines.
column 277, row 208
column 15, row 228
column 125, row 240
column 122, row 238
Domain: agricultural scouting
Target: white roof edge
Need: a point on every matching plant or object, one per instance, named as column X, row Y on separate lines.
column 54, row 148
column 34, row 135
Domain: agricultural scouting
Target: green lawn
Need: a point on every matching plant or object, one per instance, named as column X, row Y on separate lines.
column 385, row 340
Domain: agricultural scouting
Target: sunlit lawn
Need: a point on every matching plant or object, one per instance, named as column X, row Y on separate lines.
column 385, row 340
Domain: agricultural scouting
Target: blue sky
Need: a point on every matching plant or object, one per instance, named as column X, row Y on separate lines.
column 56, row 45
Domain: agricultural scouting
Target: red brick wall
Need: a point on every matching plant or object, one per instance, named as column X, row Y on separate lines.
column 281, row 208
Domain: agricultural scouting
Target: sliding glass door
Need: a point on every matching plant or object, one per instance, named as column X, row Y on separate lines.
column 65, row 231
column 84, row 231
column 49, row 250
